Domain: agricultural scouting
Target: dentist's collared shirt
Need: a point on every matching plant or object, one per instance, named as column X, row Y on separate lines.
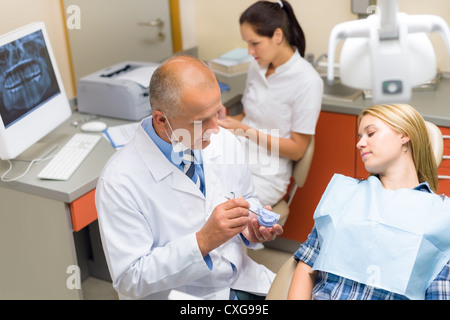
column 175, row 157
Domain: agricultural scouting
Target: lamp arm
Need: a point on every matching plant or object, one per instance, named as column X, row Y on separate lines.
column 349, row 29
column 429, row 23
column 388, row 19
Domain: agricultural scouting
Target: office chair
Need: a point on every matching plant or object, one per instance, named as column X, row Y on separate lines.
column 300, row 171
column 280, row 285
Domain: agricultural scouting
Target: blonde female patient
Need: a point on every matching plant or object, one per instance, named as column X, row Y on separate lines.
column 385, row 237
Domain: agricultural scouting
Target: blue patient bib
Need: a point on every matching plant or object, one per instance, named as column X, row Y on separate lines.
column 393, row 240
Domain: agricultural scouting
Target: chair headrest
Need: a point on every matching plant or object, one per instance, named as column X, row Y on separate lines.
column 301, row 167
column 437, row 142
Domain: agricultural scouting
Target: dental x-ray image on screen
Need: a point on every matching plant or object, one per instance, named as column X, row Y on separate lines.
column 26, row 77
column 33, row 101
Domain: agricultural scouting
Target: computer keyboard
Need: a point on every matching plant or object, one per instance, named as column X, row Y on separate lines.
column 69, row 158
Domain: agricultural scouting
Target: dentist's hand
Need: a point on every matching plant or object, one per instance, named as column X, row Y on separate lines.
column 257, row 234
column 234, row 124
column 227, row 220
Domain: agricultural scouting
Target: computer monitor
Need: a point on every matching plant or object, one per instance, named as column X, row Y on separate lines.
column 33, row 101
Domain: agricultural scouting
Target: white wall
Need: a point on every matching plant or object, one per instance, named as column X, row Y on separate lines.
column 187, row 22
column 218, row 23
column 17, row 13
column 217, row 26
column 436, row 7
column 213, row 25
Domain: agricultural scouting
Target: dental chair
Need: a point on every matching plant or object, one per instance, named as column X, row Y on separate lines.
column 300, row 171
column 280, row 285
column 437, row 141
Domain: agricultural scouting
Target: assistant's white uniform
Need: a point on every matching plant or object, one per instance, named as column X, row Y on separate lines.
column 149, row 212
column 288, row 100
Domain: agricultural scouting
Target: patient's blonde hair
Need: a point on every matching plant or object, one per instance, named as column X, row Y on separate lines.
column 405, row 119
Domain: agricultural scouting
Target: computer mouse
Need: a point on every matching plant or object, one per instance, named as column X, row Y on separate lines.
column 93, row 126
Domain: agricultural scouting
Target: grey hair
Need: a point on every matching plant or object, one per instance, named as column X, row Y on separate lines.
column 165, row 92
column 166, row 89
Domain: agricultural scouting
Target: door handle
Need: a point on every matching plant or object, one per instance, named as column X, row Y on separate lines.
column 156, row 23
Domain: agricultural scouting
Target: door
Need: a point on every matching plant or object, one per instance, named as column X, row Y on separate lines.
column 108, row 32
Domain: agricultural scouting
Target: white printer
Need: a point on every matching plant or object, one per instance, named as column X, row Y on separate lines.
column 119, row 91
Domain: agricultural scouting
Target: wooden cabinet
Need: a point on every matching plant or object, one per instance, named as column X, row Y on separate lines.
column 83, row 211
column 36, row 248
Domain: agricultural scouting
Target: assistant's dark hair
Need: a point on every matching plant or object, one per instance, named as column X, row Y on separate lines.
column 265, row 17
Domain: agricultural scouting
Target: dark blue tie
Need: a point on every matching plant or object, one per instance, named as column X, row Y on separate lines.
column 189, row 166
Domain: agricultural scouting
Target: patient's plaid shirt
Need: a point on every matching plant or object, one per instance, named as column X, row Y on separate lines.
column 332, row 287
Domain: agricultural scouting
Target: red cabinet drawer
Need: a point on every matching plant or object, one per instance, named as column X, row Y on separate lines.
column 83, row 211
column 444, row 168
column 446, row 159
column 445, row 162
column 446, row 133
column 444, row 181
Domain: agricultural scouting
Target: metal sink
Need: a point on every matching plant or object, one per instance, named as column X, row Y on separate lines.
column 339, row 91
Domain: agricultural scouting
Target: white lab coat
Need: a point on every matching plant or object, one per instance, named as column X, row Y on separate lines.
column 149, row 212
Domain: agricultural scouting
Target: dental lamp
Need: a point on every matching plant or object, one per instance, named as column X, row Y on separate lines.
column 388, row 52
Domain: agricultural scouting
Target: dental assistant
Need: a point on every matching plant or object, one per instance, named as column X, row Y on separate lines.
column 163, row 228
column 282, row 98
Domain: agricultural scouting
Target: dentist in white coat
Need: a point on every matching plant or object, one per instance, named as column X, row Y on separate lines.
column 162, row 230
